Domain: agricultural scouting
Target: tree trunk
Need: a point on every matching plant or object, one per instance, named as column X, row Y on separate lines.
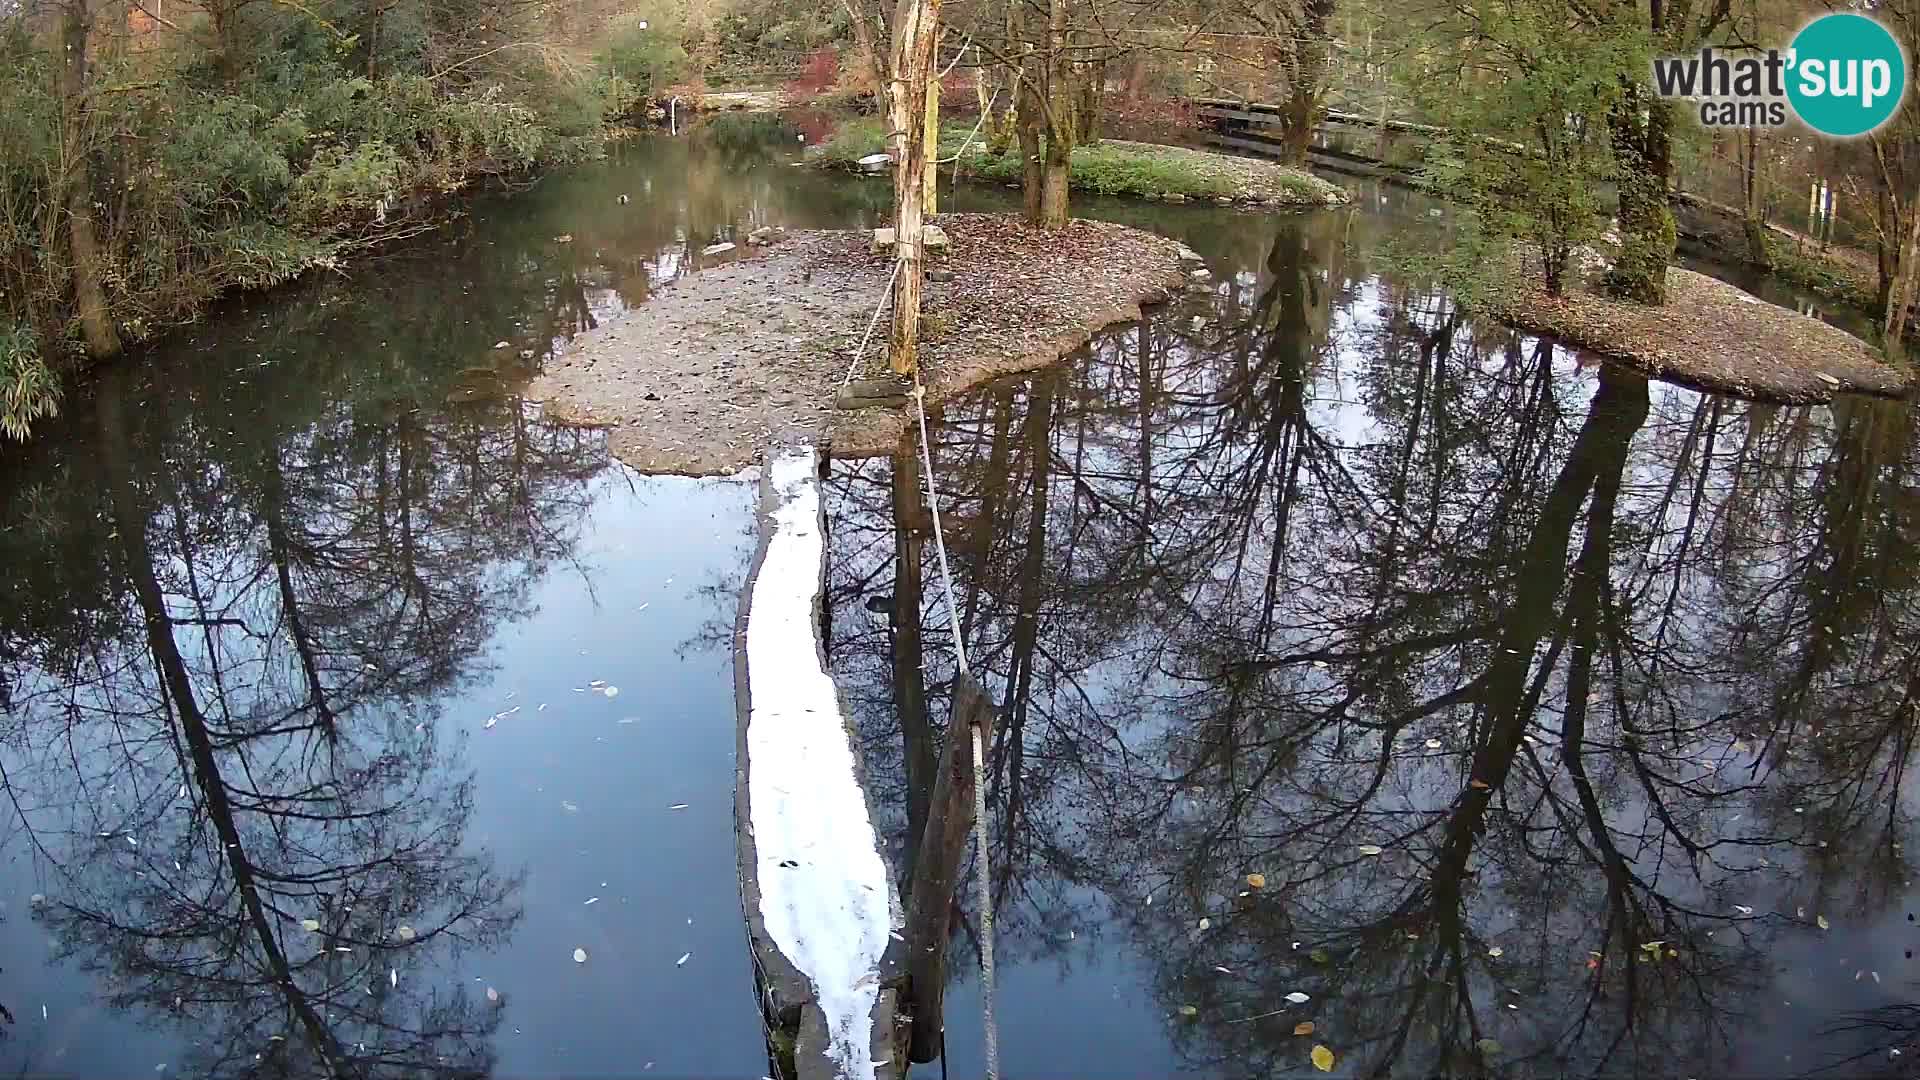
column 89, row 292
column 1306, row 79
column 1907, row 264
column 1060, row 121
column 1027, row 122
column 1758, row 252
column 1086, row 115
column 1643, row 149
column 915, row 27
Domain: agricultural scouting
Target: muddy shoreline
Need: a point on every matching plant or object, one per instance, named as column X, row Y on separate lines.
column 728, row 363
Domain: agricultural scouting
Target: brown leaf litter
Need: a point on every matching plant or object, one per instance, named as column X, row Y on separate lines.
column 1710, row 335
column 725, row 364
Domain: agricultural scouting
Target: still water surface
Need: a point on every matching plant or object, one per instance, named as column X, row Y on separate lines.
column 314, row 623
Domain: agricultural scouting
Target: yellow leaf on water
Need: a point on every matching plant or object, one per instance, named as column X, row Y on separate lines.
column 1256, row 881
column 1821, row 921
column 1304, row 1027
column 1322, row 1059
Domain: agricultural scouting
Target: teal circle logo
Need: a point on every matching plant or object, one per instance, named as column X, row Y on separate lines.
column 1846, row 75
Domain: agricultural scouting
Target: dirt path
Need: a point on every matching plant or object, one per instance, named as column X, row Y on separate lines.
column 722, row 365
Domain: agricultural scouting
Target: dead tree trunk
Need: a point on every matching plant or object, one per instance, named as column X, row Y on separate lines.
column 936, row 869
column 83, row 241
column 915, row 28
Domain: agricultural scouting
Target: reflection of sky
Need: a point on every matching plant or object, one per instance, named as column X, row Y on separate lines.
column 577, row 795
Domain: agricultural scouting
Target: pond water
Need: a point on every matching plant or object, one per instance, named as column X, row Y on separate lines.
column 344, row 699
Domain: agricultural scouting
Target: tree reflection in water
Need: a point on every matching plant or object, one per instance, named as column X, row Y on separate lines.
column 231, row 768
column 1619, row 681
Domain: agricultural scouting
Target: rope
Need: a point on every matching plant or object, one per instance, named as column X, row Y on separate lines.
column 871, row 323
column 962, row 152
column 983, row 885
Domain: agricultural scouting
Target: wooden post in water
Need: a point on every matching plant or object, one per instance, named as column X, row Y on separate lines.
column 936, row 871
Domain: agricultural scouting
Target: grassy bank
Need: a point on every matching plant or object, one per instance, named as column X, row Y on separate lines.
column 288, row 141
column 1113, row 167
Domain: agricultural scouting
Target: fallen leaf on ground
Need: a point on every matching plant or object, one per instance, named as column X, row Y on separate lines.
column 1322, row 1058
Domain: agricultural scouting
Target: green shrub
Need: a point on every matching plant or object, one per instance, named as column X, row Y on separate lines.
column 643, row 53
column 28, row 389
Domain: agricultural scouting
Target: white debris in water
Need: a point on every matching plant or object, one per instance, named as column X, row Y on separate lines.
column 824, row 892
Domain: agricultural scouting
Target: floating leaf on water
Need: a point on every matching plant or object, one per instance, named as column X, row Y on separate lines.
column 1299, row 998
column 579, row 956
column 1743, row 909
column 1488, row 1047
column 1496, row 952
column 591, row 900
column 491, row 720
column 493, row 995
column 343, row 948
column 393, row 976
column 1320, row 663
column 1322, row 1058
column 1189, row 1011
column 131, row 842
column 1304, row 1027
column 611, row 691
column 404, row 932
column 569, row 807
column 183, row 792
column 1320, row 956
column 597, row 683
column 1206, row 924
column 310, row 925
column 1371, row 849
column 1821, row 922
column 1256, row 881
column 678, row 806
